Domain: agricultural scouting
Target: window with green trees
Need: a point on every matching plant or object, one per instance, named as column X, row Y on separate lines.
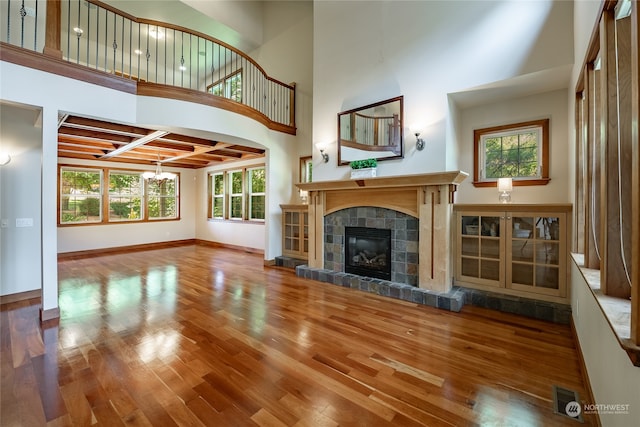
column 229, row 87
column 236, row 195
column 125, row 196
column 85, row 197
column 217, row 196
column 80, row 196
column 519, row 151
column 162, row 198
column 257, row 193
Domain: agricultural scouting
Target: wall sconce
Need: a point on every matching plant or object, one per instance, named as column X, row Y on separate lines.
column 322, row 149
column 505, row 186
column 419, row 142
column 5, row 158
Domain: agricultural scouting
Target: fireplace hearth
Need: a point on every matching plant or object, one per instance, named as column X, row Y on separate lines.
column 368, row 252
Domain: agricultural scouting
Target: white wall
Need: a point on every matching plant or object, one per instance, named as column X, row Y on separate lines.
column 20, row 188
column 551, row 105
column 370, row 51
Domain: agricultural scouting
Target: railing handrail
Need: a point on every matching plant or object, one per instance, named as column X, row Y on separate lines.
column 189, row 31
column 92, row 37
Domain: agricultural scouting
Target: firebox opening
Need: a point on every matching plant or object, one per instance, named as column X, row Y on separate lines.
column 368, row 252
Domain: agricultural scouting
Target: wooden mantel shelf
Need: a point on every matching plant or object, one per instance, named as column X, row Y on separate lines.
column 418, row 180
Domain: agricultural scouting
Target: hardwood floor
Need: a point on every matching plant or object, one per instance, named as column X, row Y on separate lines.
column 196, row 335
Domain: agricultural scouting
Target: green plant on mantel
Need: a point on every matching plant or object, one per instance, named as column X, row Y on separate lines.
column 363, row 164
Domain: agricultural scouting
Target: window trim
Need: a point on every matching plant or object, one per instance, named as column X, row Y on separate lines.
column 544, row 179
column 104, row 198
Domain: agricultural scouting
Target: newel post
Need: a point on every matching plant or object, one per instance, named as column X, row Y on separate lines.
column 52, row 31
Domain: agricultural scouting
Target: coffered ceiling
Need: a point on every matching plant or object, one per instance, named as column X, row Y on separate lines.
column 90, row 139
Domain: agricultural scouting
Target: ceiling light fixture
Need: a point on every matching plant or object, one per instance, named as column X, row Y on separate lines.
column 158, row 175
column 136, row 143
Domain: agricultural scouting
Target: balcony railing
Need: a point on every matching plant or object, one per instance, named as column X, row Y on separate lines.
column 99, row 37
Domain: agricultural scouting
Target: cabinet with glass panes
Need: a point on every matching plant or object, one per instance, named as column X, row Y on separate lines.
column 513, row 249
column 295, row 227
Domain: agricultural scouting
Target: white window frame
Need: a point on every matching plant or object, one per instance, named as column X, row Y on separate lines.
column 113, row 195
column 540, row 127
column 99, row 196
column 233, row 195
column 251, row 193
column 220, row 196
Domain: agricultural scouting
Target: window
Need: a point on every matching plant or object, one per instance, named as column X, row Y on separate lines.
column 80, row 196
column 123, row 196
column 520, row 151
column 256, row 193
column 228, row 87
column 238, row 194
column 162, row 200
column 217, row 196
column 306, row 169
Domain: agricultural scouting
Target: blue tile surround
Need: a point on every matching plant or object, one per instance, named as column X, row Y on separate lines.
column 452, row 300
column 404, row 239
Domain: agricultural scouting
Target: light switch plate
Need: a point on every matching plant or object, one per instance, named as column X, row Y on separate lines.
column 24, row 222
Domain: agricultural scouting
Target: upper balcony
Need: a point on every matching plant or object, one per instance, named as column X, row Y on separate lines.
column 94, row 42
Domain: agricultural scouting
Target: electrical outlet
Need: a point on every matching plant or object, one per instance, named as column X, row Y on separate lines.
column 4, row 223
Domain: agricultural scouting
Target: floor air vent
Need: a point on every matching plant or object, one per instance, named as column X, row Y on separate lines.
column 567, row 403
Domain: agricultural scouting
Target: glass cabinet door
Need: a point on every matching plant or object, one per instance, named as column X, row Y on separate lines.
column 480, row 248
column 534, row 245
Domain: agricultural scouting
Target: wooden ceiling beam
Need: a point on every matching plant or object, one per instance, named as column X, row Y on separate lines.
column 109, row 127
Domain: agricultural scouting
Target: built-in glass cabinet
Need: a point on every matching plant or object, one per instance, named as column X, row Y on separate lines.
column 295, row 226
column 516, row 249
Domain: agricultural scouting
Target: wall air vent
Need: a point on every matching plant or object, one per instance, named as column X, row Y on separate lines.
column 567, row 403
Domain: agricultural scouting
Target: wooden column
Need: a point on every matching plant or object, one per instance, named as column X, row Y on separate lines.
column 52, row 32
column 435, row 241
column 316, row 229
column 635, row 180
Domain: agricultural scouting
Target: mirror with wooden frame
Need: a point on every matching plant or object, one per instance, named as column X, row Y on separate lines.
column 372, row 131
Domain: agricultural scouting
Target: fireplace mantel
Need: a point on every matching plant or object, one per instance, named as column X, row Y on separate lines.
column 418, row 180
column 428, row 197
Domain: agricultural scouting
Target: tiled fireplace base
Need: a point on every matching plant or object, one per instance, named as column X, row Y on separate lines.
column 452, row 301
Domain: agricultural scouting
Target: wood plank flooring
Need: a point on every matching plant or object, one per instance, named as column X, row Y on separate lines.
column 199, row 336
